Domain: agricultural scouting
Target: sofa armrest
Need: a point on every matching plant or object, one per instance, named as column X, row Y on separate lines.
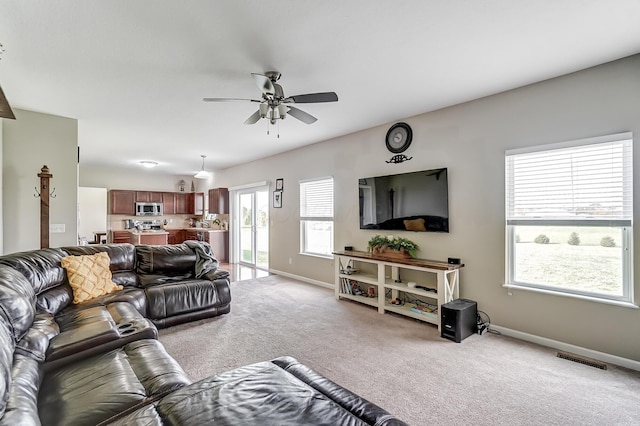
column 217, row 274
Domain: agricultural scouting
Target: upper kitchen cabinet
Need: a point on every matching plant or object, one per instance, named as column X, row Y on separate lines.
column 148, row 197
column 122, row 202
column 190, row 203
column 219, row 200
column 169, row 202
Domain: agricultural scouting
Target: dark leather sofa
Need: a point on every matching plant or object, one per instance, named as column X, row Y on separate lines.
column 99, row 362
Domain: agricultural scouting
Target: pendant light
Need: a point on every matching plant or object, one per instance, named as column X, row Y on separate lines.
column 202, row 174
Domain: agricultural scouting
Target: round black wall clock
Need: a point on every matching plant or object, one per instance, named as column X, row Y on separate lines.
column 398, row 138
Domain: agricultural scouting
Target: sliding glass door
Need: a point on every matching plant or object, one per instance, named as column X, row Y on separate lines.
column 253, row 227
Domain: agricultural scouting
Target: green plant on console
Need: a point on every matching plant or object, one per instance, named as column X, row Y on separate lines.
column 393, row 243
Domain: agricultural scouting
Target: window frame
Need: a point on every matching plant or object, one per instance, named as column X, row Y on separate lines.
column 624, row 224
column 304, row 218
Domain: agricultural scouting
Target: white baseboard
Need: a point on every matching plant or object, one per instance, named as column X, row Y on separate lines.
column 566, row 347
column 305, row 279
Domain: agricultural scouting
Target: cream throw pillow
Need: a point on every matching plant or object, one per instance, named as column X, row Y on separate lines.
column 89, row 276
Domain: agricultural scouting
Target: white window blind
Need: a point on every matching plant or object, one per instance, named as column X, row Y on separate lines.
column 588, row 181
column 316, row 199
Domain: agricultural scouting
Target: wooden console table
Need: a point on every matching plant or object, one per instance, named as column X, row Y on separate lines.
column 384, row 275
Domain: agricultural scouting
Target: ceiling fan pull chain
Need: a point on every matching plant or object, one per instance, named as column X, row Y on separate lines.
column 278, row 129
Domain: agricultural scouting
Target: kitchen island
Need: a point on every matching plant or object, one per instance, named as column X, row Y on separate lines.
column 149, row 237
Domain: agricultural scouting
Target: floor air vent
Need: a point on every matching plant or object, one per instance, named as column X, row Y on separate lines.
column 582, row 360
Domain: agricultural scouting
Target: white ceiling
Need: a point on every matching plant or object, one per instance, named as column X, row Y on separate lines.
column 134, row 72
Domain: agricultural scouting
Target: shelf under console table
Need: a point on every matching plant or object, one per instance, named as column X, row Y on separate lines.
column 385, row 275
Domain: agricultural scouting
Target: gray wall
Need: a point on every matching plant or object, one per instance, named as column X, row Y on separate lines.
column 30, row 142
column 470, row 140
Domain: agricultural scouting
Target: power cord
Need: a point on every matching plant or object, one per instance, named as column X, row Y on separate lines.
column 484, row 324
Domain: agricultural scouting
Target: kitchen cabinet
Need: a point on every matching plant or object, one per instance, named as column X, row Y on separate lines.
column 190, row 203
column 169, row 203
column 122, row 202
column 148, row 197
column 219, row 200
column 182, row 203
column 176, row 236
column 119, row 237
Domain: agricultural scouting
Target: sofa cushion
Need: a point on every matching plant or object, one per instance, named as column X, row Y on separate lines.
column 41, row 267
column 89, row 276
column 167, row 300
column 265, row 393
column 177, row 260
column 97, row 388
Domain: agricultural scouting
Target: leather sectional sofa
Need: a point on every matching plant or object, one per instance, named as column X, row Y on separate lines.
column 99, row 361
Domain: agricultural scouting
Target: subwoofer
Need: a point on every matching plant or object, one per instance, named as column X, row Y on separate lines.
column 458, row 319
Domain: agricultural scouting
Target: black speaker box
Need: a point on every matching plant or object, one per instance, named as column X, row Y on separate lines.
column 458, row 319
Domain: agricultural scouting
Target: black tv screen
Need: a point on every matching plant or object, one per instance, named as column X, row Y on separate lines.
column 416, row 201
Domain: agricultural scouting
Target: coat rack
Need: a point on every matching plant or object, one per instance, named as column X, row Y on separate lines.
column 44, row 195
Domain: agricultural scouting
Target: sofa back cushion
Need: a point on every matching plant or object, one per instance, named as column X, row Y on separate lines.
column 41, row 267
column 123, row 260
column 176, row 260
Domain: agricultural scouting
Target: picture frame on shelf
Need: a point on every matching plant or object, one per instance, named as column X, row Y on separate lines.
column 277, row 199
column 279, row 184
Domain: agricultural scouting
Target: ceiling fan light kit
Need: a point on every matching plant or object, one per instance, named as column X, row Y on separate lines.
column 274, row 105
column 202, row 174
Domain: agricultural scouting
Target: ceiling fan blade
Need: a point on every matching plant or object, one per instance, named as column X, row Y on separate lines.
column 264, row 83
column 253, row 119
column 310, row 98
column 301, row 115
column 228, row 100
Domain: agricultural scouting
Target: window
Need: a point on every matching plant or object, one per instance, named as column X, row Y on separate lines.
column 316, row 217
column 569, row 213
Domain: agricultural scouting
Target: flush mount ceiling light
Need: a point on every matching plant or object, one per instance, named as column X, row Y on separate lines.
column 202, row 174
column 148, row 164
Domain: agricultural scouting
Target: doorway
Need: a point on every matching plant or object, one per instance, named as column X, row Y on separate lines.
column 252, row 227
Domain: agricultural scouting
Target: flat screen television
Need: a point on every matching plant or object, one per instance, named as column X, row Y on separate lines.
column 416, row 201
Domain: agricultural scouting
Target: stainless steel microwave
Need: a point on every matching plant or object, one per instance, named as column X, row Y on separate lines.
column 148, row 209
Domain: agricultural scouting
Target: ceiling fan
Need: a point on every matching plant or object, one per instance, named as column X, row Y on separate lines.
column 274, row 105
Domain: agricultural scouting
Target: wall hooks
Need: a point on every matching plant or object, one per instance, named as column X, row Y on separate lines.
column 52, row 194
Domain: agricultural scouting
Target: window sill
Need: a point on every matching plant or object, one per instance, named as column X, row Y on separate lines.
column 574, row 296
column 321, row 256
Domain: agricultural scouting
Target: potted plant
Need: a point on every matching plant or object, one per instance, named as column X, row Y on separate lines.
column 392, row 245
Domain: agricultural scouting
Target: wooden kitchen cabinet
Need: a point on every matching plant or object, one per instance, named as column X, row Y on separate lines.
column 148, row 197
column 122, row 202
column 190, row 203
column 219, row 200
column 182, row 203
column 119, row 237
column 176, row 236
column 168, row 203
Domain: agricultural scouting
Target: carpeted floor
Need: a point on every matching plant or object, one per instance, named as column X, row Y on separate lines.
column 402, row 364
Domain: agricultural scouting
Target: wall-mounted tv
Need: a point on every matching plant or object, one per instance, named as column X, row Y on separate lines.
column 416, row 201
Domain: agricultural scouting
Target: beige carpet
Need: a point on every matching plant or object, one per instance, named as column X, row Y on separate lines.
column 402, row 364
